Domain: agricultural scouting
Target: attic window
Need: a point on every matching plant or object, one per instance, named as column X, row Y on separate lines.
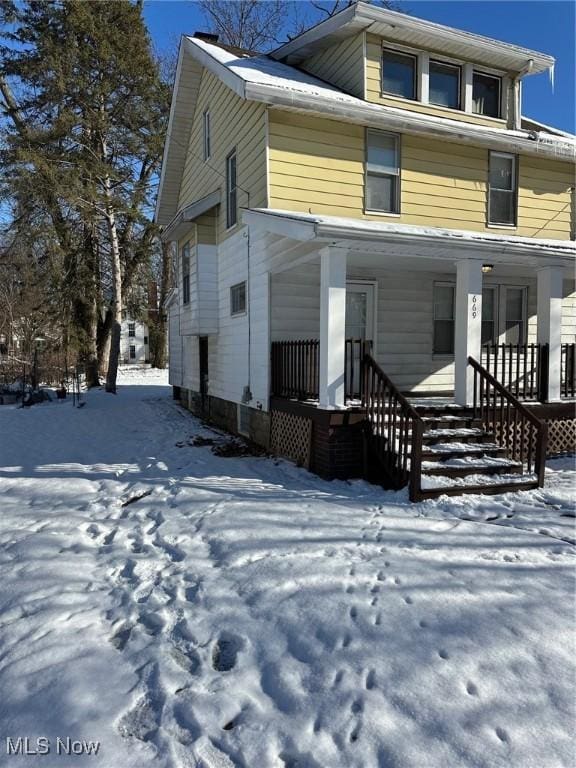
column 444, row 84
column 486, row 94
column 399, row 74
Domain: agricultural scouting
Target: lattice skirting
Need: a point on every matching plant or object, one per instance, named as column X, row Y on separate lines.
column 290, row 436
column 561, row 436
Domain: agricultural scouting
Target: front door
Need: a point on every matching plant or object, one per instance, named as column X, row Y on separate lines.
column 359, row 328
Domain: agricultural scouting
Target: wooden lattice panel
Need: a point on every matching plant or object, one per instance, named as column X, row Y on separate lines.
column 561, row 436
column 290, row 436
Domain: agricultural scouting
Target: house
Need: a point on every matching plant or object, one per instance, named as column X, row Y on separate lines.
column 375, row 253
column 134, row 343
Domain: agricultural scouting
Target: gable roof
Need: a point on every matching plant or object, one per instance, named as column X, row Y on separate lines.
column 410, row 30
column 263, row 79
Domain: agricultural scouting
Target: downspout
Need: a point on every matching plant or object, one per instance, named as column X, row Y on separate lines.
column 516, row 109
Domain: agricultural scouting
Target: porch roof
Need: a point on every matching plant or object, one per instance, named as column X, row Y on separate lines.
column 412, row 240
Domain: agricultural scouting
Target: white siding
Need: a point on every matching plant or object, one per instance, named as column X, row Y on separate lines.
column 174, row 346
column 139, row 341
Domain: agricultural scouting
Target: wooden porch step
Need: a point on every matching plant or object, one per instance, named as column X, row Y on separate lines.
column 471, row 468
column 463, row 435
column 485, row 490
column 451, row 422
column 442, row 451
column 444, row 411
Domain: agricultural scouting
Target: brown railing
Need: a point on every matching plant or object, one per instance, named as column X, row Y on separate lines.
column 521, row 368
column 396, row 429
column 296, row 368
column 515, row 428
column 568, row 367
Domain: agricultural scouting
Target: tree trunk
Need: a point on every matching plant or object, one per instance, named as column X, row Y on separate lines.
column 103, row 341
column 158, row 350
column 114, row 356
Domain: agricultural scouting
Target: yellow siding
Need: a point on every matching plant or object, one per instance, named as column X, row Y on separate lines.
column 373, row 90
column 317, row 166
column 233, row 123
column 341, row 65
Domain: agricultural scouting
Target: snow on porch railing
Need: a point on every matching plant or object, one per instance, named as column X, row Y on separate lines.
column 295, row 368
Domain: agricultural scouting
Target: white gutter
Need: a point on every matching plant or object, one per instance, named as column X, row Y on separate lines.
column 391, row 118
column 516, row 102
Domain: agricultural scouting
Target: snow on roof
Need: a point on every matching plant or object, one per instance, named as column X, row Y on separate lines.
column 262, row 70
column 327, row 225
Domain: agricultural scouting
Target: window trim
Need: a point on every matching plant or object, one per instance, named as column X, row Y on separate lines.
column 131, row 330
column 243, row 311
column 206, row 137
column 398, row 196
column 515, row 159
column 499, row 78
column 229, row 223
column 505, row 287
column 453, row 65
column 415, row 76
column 132, row 352
column 444, row 355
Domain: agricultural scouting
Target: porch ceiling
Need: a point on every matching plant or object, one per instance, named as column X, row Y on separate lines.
column 404, row 246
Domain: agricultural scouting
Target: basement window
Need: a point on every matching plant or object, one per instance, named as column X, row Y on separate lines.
column 382, row 172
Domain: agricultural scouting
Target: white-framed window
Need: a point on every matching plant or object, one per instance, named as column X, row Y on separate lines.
column 515, row 315
column 486, row 94
column 238, row 298
column 444, row 84
column 132, row 352
column 186, row 273
column 145, row 340
column 131, row 330
column 443, row 342
column 502, row 187
column 231, row 190
column 206, row 134
column 399, row 74
column 382, row 171
column 490, row 315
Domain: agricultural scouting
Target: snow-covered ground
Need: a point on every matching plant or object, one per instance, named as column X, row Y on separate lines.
column 188, row 610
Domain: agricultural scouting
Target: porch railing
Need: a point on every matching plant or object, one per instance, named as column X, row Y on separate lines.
column 295, row 369
column 568, row 368
column 521, row 368
column 514, row 427
column 396, row 429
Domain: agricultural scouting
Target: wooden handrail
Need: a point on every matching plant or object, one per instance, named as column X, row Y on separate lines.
column 492, row 398
column 396, row 429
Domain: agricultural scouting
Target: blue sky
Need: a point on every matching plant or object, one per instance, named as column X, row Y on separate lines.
column 543, row 25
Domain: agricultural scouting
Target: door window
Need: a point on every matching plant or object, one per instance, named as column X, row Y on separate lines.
column 489, row 326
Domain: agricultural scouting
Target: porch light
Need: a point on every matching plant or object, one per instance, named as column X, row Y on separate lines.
column 486, row 268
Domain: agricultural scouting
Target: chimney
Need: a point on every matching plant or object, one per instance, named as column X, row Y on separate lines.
column 207, row 36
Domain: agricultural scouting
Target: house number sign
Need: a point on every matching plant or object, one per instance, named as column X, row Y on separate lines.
column 474, row 307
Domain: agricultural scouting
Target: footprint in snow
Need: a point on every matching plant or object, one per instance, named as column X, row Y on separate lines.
column 225, row 651
column 408, row 600
column 338, row 677
column 121, row 636
column 370, row 683
column 471, row 689
column 443, row 654
column 152, row 623
column 502, row 735
column 353, row 613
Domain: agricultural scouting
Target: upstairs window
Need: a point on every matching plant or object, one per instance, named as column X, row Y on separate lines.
column 444, row 85
column 382, row 172
column 486, row 94
column 238, row 299
column 231, row 193
column 399, row 74
column 131, row 329
column 206, row 134
column 186, row 274
column 502, row 189
column 443, row 343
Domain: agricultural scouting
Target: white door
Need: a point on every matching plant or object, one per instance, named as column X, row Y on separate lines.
column 359, row 328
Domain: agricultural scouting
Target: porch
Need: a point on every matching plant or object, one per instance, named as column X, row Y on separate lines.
column 364, row 317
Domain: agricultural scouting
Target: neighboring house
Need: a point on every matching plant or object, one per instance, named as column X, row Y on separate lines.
column 134, row 346
column 373, row 181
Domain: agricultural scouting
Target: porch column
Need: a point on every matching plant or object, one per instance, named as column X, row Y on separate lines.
column 332, row 326
column 468, row 327
column 549, row 319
